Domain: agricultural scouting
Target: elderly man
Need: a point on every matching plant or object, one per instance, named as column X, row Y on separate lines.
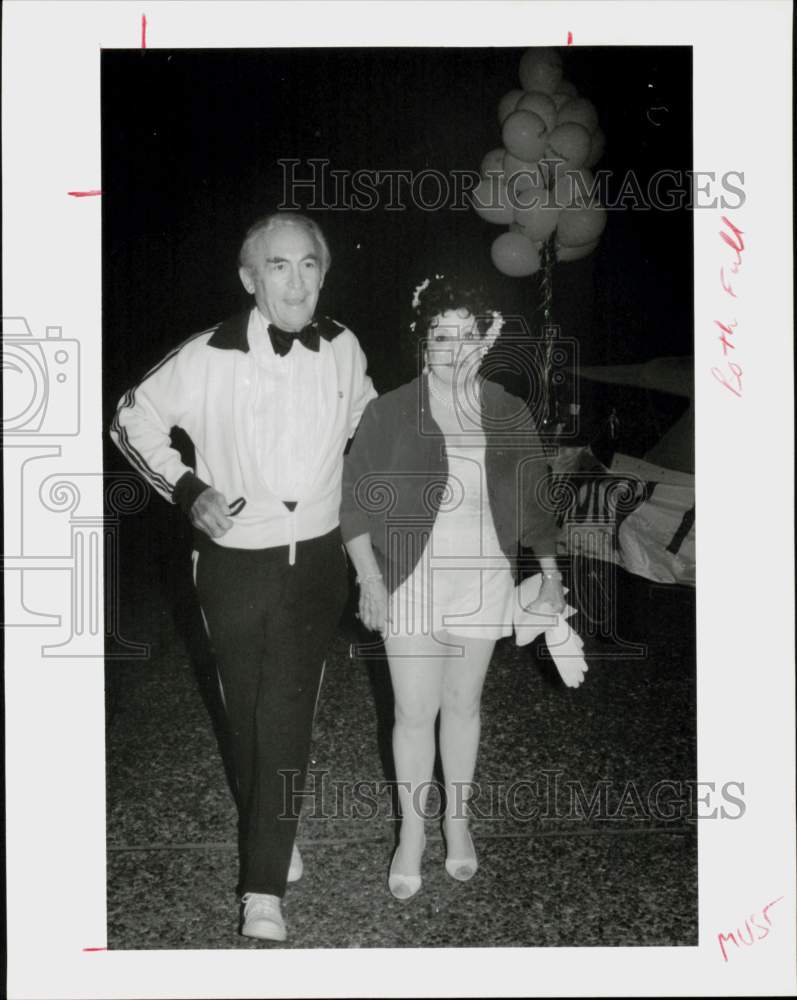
column 269, row 399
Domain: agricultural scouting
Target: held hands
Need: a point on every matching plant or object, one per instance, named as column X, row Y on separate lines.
column 210, row 513
column 373, row 604
column 551, row 598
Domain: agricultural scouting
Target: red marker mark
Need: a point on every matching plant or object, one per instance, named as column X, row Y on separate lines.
column 83, row 194
column 736, row 243
column 570, row 38
column 95, row 949
column 732, row 380
column 738, row 937
column 143, row 31
column 727, row 331
column 736, row 371
column 728, row 287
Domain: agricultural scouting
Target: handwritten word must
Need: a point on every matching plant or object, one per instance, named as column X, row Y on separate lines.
column 724, row 939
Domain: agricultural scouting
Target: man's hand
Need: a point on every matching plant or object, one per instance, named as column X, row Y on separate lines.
column 210, row 513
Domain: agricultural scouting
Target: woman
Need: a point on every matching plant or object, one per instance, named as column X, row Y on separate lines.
column 439, row 487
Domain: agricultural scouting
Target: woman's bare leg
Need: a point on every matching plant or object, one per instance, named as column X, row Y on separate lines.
column 416, row 671
column 460, row 725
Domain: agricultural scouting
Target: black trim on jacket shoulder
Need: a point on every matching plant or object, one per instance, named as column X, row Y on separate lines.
column 231, row 334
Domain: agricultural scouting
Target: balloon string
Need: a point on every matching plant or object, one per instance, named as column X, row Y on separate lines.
column 548, row 255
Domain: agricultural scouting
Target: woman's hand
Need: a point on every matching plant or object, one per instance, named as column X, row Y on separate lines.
column 373, row 593
column 373, row 604
column 551, row 598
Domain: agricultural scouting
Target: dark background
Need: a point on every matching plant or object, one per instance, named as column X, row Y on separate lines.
column 190, row 143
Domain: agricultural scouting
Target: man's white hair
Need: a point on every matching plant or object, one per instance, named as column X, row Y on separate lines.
column 273, row 221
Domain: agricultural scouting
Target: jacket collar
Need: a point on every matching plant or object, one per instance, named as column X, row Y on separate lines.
column 231, row 334
column 494, row 401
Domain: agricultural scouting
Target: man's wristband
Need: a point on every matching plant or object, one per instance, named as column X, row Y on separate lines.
column 368, row 579
column 188, row 488
column 552, row 574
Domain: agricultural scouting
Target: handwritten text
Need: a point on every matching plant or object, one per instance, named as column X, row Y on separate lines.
column 763, row 924
column 730, row 375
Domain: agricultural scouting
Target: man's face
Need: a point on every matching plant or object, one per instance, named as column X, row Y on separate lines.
column 284, row 275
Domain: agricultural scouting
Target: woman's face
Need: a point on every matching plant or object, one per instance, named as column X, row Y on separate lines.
column 453, row 343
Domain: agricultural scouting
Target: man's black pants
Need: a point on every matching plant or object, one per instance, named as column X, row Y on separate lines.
column 270, row 625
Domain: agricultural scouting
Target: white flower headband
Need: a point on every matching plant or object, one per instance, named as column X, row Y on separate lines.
column 493, row 331
column 416, row 295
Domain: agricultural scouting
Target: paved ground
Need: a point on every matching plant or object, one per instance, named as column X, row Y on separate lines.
column 625, row 876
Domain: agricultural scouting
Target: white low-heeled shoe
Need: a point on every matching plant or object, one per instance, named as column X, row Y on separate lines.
column 463, row 869
column 403, row 887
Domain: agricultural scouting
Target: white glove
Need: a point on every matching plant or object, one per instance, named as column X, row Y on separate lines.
column 565, row 646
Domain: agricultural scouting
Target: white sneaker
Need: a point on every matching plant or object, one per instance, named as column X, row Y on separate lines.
column 296, row 867
column 263, row 917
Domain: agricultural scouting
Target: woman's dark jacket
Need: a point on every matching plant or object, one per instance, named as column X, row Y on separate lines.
column 395, row 474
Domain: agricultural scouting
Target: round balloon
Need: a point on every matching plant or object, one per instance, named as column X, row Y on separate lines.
column 579, row 110
column 564, row 92
column 524, row 135
column 542, row 105
column 579, row 226
column 519, row 175
column 573, row 187
column 596, row 148
column 567, row 254
column 514, row 255
column 536, row 213
column 569, row 143
column 490, row 200
column 540, row 69
column 537, row 244
column 493, row 162
column 507, row 105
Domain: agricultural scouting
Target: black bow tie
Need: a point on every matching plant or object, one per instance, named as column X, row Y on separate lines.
column 282, row 340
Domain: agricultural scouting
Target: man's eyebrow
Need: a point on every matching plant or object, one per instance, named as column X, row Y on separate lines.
column 284, row 260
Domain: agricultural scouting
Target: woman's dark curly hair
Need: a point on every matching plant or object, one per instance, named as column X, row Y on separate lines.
column 450, row 292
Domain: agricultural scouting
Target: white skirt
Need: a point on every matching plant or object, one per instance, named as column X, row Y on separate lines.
column 462, row 585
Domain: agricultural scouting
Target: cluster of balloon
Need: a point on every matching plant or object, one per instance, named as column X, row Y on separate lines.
column 538, row 182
